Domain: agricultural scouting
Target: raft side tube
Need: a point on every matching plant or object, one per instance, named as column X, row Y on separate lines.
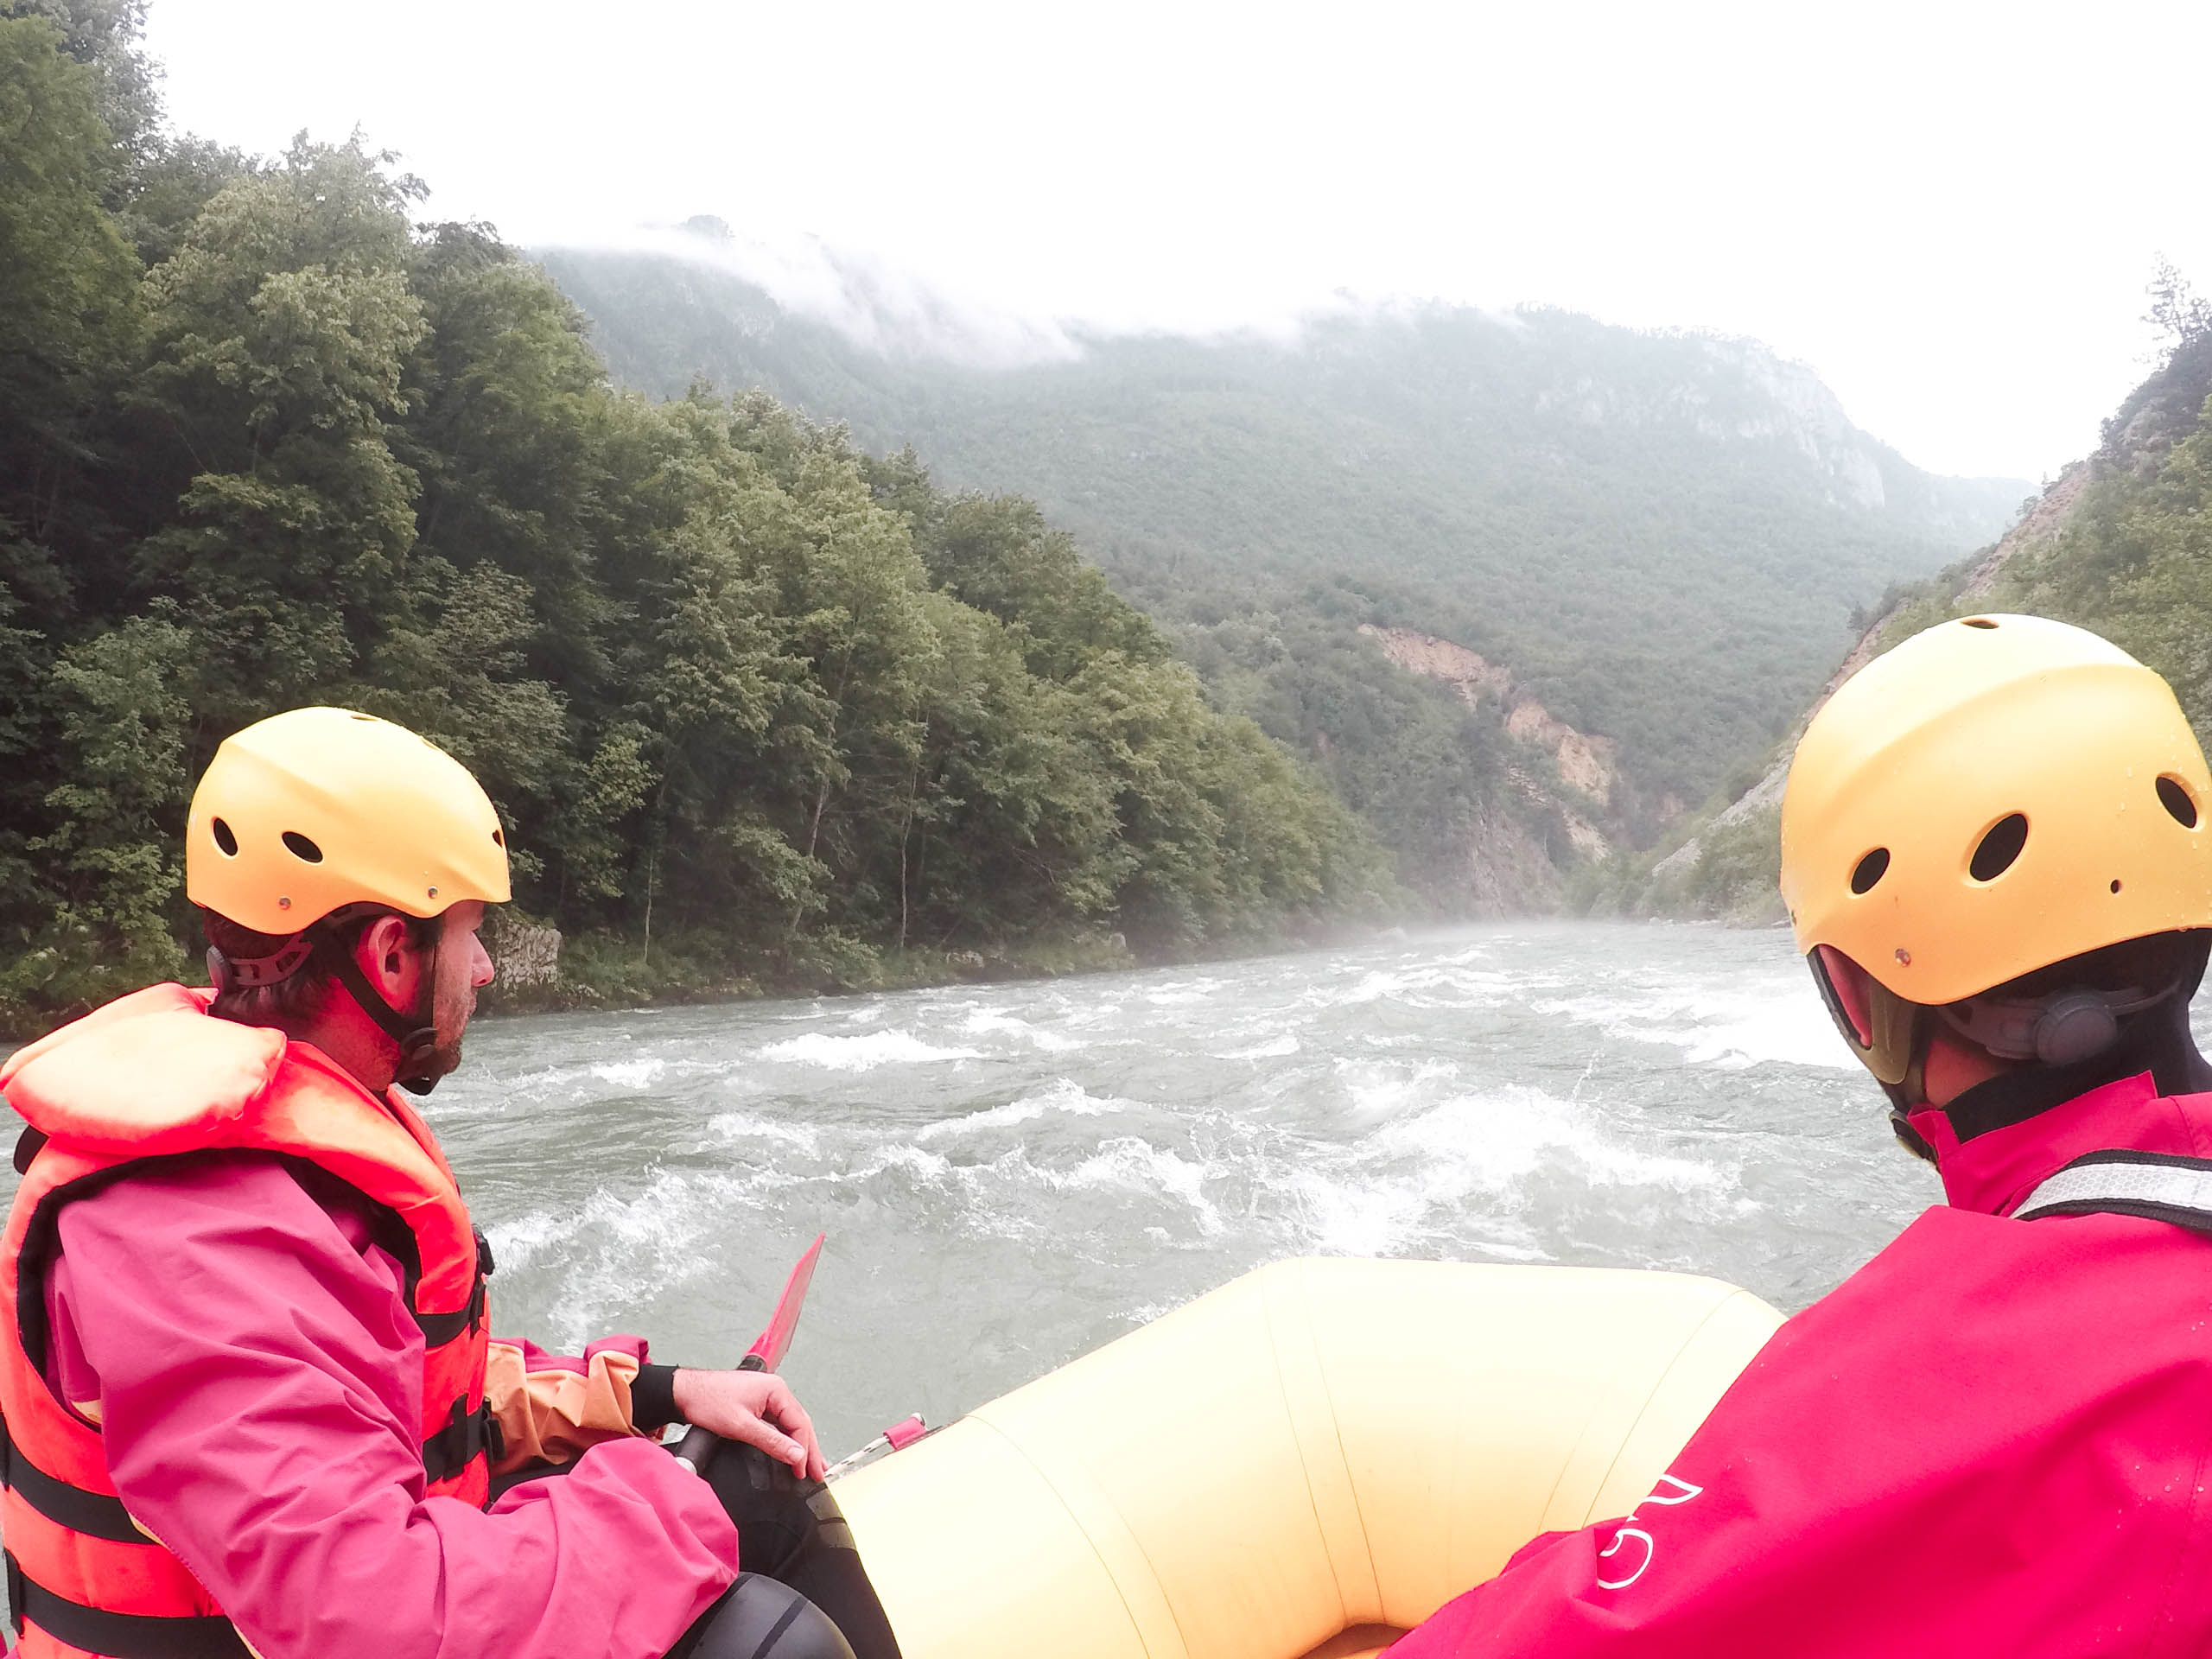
column 1308, row 1459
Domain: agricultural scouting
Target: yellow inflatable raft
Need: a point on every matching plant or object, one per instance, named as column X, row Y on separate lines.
column 1303, row 1463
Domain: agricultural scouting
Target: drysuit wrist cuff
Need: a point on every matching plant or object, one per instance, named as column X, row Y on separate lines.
column 652, row 1398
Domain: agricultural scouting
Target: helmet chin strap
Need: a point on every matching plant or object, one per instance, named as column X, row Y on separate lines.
column 417, row 1041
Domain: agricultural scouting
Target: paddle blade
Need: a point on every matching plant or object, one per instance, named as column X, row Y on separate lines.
column 776, row 1340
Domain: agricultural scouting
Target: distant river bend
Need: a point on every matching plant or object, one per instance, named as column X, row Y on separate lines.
column 1012, row 1174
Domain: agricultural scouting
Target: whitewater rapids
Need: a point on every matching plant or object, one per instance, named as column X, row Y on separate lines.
column 1012, row 1174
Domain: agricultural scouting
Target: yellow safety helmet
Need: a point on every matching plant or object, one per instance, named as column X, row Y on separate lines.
column 1995, row 796
column 309, row 811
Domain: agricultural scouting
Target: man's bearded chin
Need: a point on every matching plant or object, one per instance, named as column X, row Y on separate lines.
column 440, row 1062
column 450, row 1014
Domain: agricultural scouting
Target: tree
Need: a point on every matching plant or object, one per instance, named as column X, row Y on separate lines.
column 124, row 720
column 749, row 700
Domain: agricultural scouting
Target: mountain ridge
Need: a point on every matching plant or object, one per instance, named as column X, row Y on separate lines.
column 1660, row 536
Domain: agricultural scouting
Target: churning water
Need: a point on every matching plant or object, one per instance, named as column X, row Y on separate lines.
column 1012, row 1174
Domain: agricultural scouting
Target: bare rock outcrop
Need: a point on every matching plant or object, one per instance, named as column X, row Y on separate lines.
column 2040, row 522
column 1509, row 871
column 1586, row 837
column 523, row 953
column 1586, row 763
column 1424, row 654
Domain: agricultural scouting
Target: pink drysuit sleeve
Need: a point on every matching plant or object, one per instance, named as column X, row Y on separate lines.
column 250, row 1358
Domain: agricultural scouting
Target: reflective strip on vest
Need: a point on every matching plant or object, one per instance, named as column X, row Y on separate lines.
column 2155, row 1186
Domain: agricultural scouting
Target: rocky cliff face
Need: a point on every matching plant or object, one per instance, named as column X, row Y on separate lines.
column 1439, row 660
column 1586, row 764
column 1569, row 775
column 1509, row 871
column 1786, row 404
column 522, row 953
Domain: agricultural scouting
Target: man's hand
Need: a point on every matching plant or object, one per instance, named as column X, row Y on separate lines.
column 756, row 1407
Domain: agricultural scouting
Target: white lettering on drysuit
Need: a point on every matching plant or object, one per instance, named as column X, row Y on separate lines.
column 1631, row 1550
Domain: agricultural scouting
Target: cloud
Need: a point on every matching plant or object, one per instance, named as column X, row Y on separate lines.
column 869, row 301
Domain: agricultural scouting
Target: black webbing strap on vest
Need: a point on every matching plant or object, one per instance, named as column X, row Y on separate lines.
column 2155, row 1186
column 125, row 1636
column 96, row 1514
column 466, row 1432
column 28, row 1145
column 97, row 1629
column 439, row 1329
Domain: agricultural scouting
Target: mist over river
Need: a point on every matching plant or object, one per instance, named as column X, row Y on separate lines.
column 1012, row 1174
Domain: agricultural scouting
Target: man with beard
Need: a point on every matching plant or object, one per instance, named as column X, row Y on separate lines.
column 251, row 1400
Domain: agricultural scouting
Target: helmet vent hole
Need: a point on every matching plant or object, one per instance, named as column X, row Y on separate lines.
column 2000, row 846
column 2174, row 796
column 2116, row 886
column 498, row 840
column 224, row 838
column 1869, row 869
column 1979, row 622
column 303, row 850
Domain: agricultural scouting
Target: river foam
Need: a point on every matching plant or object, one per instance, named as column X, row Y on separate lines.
column 1009, row 1174
column 862, row 1053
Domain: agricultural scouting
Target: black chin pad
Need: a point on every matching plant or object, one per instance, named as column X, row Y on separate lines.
column 1910, row 1138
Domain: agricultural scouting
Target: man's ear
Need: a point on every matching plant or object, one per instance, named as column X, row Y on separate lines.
column 379, row 950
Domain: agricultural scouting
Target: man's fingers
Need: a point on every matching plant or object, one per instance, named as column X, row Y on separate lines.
column 802, row 1430
column 759, row 1432
column 783, row 1405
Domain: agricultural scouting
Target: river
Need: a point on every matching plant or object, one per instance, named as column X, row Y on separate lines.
column 1011, row 1174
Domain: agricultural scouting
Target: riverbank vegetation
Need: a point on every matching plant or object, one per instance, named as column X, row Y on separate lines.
column 759, row 709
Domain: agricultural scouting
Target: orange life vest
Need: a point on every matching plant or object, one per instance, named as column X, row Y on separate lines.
column 153, row 1077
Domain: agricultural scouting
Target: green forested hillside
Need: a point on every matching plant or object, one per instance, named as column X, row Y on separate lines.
column 2121, row 544
column 1660, row 536
column 753, row 702
column 2133, row 557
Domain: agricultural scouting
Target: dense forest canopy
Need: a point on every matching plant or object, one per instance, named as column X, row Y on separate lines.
column 751, row 700
column 1660, row 536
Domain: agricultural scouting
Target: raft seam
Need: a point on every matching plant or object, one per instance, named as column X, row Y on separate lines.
column 1337, row 1433
column 1652, row 1392
column 1566, row 1460
column 1136, row 1626
column 1298, row 1441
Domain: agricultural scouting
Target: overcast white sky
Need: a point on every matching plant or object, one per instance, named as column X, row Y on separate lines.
column 1949, row 209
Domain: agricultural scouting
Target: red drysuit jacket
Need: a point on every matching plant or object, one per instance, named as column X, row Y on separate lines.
column 1992, row 1439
